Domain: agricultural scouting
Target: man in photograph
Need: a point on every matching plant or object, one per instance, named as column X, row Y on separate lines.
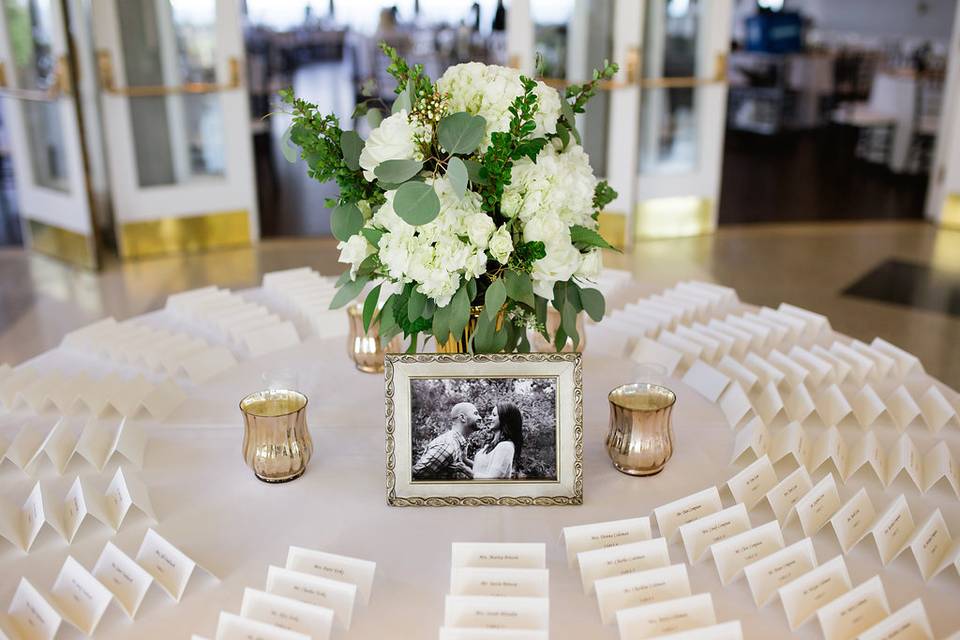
column 444, row 456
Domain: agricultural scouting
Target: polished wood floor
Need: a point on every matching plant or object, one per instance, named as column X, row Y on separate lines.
column 806, row 264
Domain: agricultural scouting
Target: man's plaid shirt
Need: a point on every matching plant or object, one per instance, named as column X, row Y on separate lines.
column 442, row 453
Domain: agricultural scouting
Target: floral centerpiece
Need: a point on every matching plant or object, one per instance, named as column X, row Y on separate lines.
column 472, row 206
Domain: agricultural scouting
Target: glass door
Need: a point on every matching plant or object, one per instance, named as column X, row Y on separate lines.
column 682, row 113
column 177, row 124
column 574, row 37
column 41, row 114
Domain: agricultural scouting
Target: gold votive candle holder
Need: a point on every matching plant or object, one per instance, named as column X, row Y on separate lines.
column 364, row 347
column 276, row 440
column 640, row 439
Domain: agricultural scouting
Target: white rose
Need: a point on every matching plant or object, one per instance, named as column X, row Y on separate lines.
column 591, row 266
column 475, row 264
column 392, row 140
column 548, row 228
column 354, row 251
column 511, row 203
column 501, row 245
column 479, row 228
column 559, row 265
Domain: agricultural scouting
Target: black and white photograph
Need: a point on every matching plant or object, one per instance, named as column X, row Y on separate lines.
column 483, row 430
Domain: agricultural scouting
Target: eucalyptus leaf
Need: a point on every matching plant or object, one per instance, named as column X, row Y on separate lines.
column 519, row 287
column 402, row 103
column 351, row 144
column 412, row 348
column 370, row 306
column 457, row 175
column 459, row 311
column 559, row 293
column 286, row 147
column 573, row 297
column 372, row 235
column 374, row 118
column 472, row 289
column 568, row 319
column 416, row 203
column 348, row 292
column 368, row 265
column 483, row 334
column 397, row 171
column 495, row 297
column 415, row 305
column 593, row 303
column 474, row 172
column 346, row 220
column 524, row 345
column 461, row 132
column 441, row 324
column 344, row 278
column 567, row 111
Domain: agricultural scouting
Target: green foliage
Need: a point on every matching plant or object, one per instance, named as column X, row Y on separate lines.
column 349, row 291
column 525, row 254
column 351, row 144
column 401, row 312
column 519, row 287
column 397, row 171
column 405, row 74
column 370, row 306
column 461, row 132
column 345, row 221
column 593, row 303
column 585, row 238
column 432, row 400
column 416, row 203
column 603, row 195
column 458, row 176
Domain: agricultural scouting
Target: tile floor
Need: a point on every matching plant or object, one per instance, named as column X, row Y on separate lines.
column 806, row 264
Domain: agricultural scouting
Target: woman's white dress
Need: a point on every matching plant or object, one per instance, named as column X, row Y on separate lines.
column 496, row 464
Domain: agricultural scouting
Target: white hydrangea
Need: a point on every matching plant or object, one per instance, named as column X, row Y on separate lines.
column 354, row 251
column 489, row 90
column 394, row 139
column 435, row 255
column 561, row 182
column 562, row 259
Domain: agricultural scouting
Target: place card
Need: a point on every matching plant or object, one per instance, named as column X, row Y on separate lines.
column 884, row 364
column 903, row 456
column 126, row 580
column 907, row 623
column 832, row 406
column 746, row 378
column 21, row 524
column 323, row 592
column 621, row 560
column 728, row 344
column 334, row 567
column 829, row 446
column 893, row 530
column 31, row 614
column 779, row 331
column 273, row 337
column 234, row 627
column 817, row 507
column 517, row 583
column 505, row 555
column 705, row 380
column 735, row 404
column 799, row 403
column 841, row 368
column 27, row 445
column 788, row 492
column 815, row 323
column 123, row 493
column 812, row 590
column 711, row 349
column 169, row 566
column 650, row 351
column 766, row 373
column 698, row 535
column 933, row 547
column 671, row 516
column 640, row 588
column 855, row 611
column 861, row 367
column 722, row 631
column 662, row 618
column 902, row 407
column 795, row 326
column 867, row 451
column 854, row 520
column 733, row 554
column 906, row 362
column 752, row 484
column 768, row 404
column 767, row 575
column 447, row 633
column 600, row 535
column 867, row 406
column 763, row 335
column 287, row 613
column 742, row 340
column 753, row 438
column 79, row 596
column 936, row 410
column 793, row 373
column 61, row 442
column 820, row 371
column 479, row 612
column 938, row 463
column 791, row 441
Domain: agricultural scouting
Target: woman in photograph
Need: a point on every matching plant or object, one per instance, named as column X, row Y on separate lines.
column 498, row 460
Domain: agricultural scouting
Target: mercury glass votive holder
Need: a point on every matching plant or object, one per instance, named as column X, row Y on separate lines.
column 276, row 440
column 640, row 439
column 363, row 346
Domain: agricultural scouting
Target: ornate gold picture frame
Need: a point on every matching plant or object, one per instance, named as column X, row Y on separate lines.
column 497, row 429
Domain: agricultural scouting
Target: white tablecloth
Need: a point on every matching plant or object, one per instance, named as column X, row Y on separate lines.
column 211, row 506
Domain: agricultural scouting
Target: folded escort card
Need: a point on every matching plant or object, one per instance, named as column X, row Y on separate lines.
column 287, row 613
column 170, row 567
column 80, row 598
column 640, row 588
column 234, row 627
column 733, row 554
column 522, row 583
column 767, row 575
column 514, row 555
column 662, row 618
column 621, row 560
column 604, row 534
column 803, row 596
column 722, row 631
column 448, row 633
column 335, row 567
column 751, row 485
column 670, row 517
column 123, row 577
column 908, row 623
column 315, row 590
column 700, row 534
column 487, row 612
column 31, row 615
column 855, row 611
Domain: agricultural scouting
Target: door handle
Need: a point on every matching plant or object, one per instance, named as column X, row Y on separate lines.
column 109, row 85
column 59, row 86
column 633, row 80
